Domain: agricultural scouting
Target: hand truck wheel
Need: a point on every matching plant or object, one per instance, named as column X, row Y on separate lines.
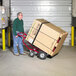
column 42, row 55
column 31, row 54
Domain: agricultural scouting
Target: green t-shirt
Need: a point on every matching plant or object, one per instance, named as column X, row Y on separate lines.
column 17, row 26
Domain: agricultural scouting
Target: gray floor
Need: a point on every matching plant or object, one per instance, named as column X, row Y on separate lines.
column 63, row 64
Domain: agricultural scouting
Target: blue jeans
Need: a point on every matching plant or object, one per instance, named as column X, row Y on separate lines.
column 18, row 41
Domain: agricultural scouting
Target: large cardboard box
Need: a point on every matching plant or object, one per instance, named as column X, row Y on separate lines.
column 46, row 36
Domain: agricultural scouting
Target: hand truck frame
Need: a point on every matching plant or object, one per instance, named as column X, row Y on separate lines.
column 34, row 50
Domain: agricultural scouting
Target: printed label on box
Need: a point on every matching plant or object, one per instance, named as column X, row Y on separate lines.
column 31, row 40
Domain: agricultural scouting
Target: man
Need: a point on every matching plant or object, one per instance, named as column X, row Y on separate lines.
column 18, row 27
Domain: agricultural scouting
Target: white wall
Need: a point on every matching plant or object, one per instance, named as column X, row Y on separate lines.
column 56, row 11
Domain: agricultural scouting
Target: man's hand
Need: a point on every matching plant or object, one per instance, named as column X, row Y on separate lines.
column 16, row 36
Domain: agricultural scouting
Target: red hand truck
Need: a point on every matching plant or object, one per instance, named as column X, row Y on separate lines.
column 33, row 49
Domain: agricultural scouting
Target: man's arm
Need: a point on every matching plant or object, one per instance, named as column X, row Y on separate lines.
column 22, row 26
column 14, row 27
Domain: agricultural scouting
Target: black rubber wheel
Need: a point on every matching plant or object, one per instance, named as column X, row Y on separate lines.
column 42, row 55
column 31, row 54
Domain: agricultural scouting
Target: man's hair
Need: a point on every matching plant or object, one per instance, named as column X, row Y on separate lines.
column 18, row 13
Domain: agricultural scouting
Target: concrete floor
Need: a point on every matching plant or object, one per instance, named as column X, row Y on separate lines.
column 63, row 64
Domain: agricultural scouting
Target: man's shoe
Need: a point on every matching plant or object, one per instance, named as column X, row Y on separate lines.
column 22, row 53
column 17, row 54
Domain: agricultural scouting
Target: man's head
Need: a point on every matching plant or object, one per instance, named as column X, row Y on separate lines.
column 20, row 15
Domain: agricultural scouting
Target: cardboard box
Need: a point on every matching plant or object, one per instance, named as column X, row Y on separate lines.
column 35, row 27
column 46, row 36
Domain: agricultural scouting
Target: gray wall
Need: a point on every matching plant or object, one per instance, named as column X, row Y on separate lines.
column 6, row 4
column 74, row 8
column 56, row 11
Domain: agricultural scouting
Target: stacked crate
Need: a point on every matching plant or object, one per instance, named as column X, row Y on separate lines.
column 46, row 36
